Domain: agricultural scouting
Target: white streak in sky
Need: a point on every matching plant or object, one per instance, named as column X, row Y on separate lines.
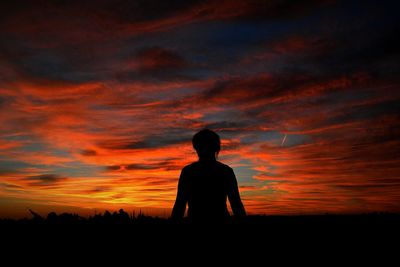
column 284, row 139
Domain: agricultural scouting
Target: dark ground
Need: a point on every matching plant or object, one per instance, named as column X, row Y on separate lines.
column 121, row 223
column 367, row 236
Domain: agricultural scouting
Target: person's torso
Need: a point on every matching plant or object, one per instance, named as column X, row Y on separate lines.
column 207, row 185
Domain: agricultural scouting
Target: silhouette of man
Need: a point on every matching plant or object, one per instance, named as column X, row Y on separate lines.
column 206, row 184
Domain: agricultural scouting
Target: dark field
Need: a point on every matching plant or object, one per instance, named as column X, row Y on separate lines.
column 374, row 224
column 116, row 238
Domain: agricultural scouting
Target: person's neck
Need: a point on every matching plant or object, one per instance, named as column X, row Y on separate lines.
column 207, row 159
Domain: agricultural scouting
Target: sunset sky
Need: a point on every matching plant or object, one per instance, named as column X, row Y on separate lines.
column 99, row 101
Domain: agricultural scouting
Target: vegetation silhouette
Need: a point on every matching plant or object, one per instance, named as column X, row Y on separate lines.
column 120, row 217
column 250, row 223
column 205, row 185
column 121, row 231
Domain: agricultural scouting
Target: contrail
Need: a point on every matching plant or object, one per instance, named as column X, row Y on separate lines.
column 284, row 139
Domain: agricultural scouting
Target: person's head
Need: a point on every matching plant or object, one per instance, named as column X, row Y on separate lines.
column 207, row 144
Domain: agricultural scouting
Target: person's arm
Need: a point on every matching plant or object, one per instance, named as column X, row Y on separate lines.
column 181, row 198
column 234, row 196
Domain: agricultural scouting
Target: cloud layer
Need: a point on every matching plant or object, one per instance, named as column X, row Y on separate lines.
column 99, row 101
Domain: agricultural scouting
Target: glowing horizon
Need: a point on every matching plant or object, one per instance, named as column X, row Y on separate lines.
column 99, row 102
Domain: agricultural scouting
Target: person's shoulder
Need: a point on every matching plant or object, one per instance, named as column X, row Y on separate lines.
column 224, row 166
column 190, row 167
